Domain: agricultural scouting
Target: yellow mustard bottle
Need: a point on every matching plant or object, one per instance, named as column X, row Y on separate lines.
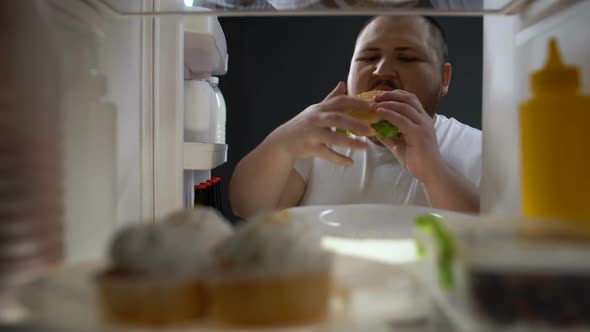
column 555, row 155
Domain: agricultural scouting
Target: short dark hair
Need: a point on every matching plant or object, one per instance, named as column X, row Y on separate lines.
column 438, row 38
column 437, row 34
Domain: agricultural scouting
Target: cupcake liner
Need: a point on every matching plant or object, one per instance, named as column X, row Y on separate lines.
column 153, row 301
column 271, row 301
column 322, row 262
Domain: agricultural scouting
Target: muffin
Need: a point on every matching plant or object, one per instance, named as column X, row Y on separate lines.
column 157, row 269
column 271, row 272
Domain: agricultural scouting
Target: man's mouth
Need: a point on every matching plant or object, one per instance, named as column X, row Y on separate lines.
column 384, row 85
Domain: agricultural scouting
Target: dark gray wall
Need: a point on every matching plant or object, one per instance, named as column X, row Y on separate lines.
column 280, row 65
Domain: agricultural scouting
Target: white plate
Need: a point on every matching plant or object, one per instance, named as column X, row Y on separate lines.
column 378, row 232
column 370, row 221
column 379, row 295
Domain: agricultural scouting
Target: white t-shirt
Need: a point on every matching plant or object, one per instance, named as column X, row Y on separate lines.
column 376, row 176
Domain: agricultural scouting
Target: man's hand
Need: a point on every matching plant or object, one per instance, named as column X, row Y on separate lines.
column 311, row 132
column 417, row 149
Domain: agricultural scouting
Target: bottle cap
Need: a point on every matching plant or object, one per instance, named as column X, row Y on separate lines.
column 555, row 76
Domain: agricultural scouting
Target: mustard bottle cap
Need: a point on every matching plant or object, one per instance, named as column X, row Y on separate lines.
column 555, row 76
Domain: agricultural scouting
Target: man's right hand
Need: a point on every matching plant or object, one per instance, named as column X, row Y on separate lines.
column 311, row 132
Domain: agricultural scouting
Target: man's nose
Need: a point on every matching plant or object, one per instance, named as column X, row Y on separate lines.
column 385, row 67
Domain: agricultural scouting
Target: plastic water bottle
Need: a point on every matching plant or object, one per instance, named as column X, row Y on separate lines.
column 220, row 112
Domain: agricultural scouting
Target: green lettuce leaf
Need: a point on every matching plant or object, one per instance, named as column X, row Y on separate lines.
column 385, row 129
column 432, row 224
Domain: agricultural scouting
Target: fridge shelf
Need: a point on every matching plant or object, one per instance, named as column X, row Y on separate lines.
column 379, row 298
column 203, row 156
column 320, row 7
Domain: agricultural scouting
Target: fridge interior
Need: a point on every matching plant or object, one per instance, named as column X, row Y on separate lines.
column 123, row 70
column 150, row 149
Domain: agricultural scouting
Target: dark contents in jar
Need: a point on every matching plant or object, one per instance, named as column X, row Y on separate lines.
column 546, row 298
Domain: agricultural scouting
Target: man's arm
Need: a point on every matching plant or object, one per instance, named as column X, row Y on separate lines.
column 451, row 191
column 265, row 178
column 418, row 151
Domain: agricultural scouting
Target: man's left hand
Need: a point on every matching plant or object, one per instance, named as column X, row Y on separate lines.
column 417, row 148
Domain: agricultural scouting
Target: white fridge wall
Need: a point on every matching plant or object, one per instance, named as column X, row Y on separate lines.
column 120, row 59
column 511, row 54
column 89, row 131
column 499, row 185
column 168, row 111
column 123, row 119
column 104, row 71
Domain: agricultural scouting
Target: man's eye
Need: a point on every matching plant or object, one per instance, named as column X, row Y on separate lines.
column 407, row 59
column 368, row 58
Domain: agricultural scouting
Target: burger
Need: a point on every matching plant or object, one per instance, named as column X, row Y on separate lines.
column 381, row 128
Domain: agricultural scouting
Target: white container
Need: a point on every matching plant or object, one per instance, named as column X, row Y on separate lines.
column 512, row 274
column 199, row 106
column 205, row 47
column 521, row 283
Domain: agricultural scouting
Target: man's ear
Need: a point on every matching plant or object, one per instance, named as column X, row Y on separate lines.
column 446, row 72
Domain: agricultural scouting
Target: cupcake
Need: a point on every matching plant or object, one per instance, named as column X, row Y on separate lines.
column 271, row 272
column 156, row 275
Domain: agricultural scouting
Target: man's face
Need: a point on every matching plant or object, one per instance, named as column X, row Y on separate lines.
column 396, row 53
